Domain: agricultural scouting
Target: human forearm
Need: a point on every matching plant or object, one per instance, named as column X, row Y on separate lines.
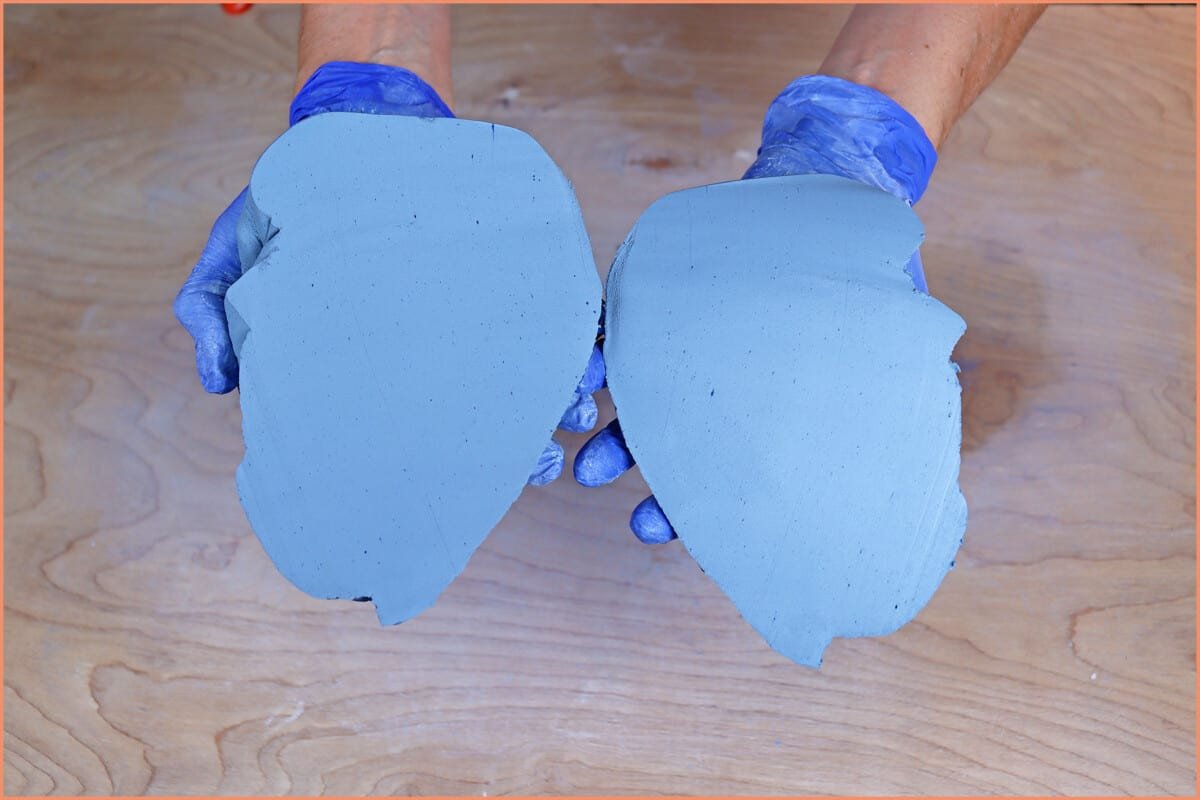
column 416, row 37
column 932, row 60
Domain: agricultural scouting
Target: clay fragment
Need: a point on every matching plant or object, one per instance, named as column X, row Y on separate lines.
column 789, row 397
column 418, row 302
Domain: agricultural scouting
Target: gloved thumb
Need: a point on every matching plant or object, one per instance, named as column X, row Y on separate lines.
column 200, row 304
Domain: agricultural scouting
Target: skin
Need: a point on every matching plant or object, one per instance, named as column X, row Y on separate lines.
column 932, row 60
column 415, row 37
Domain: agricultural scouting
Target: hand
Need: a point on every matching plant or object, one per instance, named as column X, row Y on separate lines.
column 200, row 304
column 580, row 417
column 817, row 125
column 820, row 125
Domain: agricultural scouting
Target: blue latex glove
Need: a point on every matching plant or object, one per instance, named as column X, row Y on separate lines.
column 817, row 125
column 200, row 304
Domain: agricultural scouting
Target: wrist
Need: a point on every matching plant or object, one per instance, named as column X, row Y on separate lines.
column 366, row 89
column 416, row 37
column 925, row 88
column 822, row 124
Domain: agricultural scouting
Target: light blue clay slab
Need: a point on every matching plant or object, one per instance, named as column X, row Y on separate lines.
column 790, row 400
column 418, row 302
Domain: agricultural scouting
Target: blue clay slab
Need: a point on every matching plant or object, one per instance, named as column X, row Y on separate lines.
column 789, row 397
column 418, row 303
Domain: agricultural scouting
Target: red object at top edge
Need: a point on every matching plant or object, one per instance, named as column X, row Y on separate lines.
column 236, row 8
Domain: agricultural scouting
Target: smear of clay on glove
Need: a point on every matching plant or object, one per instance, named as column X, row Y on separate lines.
column 418, row 302
column 789, row 397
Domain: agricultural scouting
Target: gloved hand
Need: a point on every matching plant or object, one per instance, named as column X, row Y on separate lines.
column 200, row 304
column 817, row 125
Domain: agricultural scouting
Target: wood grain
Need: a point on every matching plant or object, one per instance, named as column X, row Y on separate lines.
column 150, row 646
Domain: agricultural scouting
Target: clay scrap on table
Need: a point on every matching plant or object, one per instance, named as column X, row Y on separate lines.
column 790, row 399
column 418, row 302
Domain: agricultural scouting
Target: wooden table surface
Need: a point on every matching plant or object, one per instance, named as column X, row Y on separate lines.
column 150, row 645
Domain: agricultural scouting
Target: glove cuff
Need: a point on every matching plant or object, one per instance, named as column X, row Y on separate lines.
column 825, row 125
column 366, row 89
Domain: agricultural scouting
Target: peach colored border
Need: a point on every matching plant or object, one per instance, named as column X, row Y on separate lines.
column 597, row 2
column 3, row 149
column 1196, row 356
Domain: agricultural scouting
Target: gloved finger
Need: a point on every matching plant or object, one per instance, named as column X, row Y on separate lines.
column 581, row 415
column 549, row 465
column 200, row 304
column 650, row 524
column 593, row 374
column 604, row 457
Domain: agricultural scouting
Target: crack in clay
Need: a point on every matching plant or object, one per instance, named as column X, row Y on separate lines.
column 716, row 298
